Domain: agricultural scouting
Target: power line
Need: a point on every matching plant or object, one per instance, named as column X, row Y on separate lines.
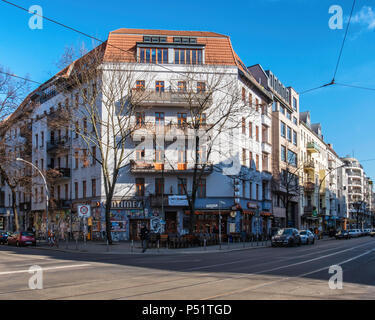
column 354, row 86
column 343, row 42
column 324, row 85
column 22, row 78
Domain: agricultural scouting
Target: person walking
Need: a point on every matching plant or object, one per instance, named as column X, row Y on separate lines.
column 144, row 237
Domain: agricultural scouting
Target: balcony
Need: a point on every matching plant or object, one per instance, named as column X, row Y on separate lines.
column 60, row 203
column 170, row 98
column 312, row 147
column 266, row 147
column 59, row 173
column 266, row 120
column 58, row 145
column 309, row 165
column 158, row 200
column 309, row 187
column 169, row 168
column 24, row 206
column 309, row 210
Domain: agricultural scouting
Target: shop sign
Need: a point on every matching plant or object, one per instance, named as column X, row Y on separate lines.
column 127, row 204
column 178, row 201
column 212, row 206
column 252, row 205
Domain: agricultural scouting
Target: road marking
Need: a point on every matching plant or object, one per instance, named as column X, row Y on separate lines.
column 46, row 269
column 286, row 278
column 243, row 260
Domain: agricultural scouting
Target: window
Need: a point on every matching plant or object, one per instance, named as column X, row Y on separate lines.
column 289, row 115
column 181, row 86
column 250, row 190
column 244, row 188
column 274, row 106
column 257, row 133
column 159, row 186
column 58, row 192
column 159, row 154
column 282, row 109
column 93, row 155
column 182, row 182
column 289, row 133
column 36, row 196
column 84, row 158
column 257, row 162
column 250, row 159
column 140, row 119
column 250, row 99
column 66, row 191
column 188, row 56
column 140, row 85
column 181, row 156
column 159, row 86
column 202, row 188
column 153, row 55
column 250, row 129
column 76, row 158
column 139, row 187
column 159, row 118
column 257, row 104
column 294, row 103
column 36, row 141
column 42, row 164
column 294, row 137
column 42, row 139
column 283, row 153
column 84, row 189
column 243, row 126
column 202, row 119
column 181, row 119
column 257, row 191
column 201, row 87
column 282, row 129
column 292, row 158
column 295, row 120
column 76, row 189
column 244, row 157
column 265, row 162
column 244, row 95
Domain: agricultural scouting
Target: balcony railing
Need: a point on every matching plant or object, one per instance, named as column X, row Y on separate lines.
column 155, row 167
column 170, row 97
column 60, row 173
column 309, row 186
column 54, row 145
column 312, row 147
column 309, row 165
column 60, row 203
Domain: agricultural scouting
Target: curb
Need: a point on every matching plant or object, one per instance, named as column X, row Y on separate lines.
column 171, row 251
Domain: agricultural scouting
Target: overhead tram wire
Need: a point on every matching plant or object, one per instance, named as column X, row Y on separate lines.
column 343, row 42
column 22, row 78
column 354, row 86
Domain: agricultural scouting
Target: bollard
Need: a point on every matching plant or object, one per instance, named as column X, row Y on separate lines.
column 204, row 241
column 228, row 242
column 107, row 246
column 158, row 245
column 76, row 243
column 67, row 245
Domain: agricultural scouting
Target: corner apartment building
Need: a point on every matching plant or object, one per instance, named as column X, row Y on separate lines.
column 165, row 65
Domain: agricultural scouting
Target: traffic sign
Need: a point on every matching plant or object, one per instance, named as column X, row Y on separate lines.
column 84, row 211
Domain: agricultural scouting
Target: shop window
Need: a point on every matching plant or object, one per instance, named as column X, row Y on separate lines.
column 140, row 187
column 202, row 188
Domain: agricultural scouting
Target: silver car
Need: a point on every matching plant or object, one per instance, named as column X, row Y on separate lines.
column 307, row 237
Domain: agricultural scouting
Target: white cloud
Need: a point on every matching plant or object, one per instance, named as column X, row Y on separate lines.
column 365, row 17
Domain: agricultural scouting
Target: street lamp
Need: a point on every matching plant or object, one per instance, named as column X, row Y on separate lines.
column 220, row 203
column 45, row 185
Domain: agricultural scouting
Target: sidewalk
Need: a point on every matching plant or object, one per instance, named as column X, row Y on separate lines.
column 136, row 248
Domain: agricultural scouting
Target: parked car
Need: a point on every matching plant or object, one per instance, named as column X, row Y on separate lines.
column 372, row 233
column 354, row 233
column 286, row 237
column 367, row 231
column 307, row 237
column 4, row 237
column 343, row 234
column 22, row 238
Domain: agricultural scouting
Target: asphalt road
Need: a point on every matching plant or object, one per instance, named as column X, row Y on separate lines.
column 262, row 273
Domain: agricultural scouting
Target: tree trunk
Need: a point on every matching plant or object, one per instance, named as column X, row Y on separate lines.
column 108, row 225
column 14, row 207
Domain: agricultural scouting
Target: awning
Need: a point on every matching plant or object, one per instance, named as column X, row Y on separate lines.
column 265, row 214
column 248, row 212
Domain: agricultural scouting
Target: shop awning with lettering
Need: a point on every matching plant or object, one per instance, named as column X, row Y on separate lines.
column 208, row 211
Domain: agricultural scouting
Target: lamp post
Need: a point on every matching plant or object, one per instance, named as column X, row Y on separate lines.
column 220, row 203
column 45, row 185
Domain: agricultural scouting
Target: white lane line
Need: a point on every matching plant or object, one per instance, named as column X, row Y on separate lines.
column 285, row 278
column 46, row 269
column 290, row 265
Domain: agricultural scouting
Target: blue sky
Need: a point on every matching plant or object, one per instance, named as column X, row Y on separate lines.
column 290, row 37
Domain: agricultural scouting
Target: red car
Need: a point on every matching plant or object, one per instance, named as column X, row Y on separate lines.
column 23, row 238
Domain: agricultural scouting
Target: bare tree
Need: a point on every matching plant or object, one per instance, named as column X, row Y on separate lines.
column 12, row 92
